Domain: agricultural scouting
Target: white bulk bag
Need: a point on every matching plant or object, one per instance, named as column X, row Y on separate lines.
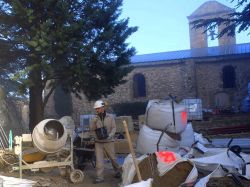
column 147, row 183
column 16, row 182
column 128, row 169
column 187, row 136
column 148, row 138
column 164, row 167
column 159, row 115
column 226, row 158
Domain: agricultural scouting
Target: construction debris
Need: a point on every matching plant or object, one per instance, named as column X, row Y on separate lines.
column 191, row 161
column 12, row 182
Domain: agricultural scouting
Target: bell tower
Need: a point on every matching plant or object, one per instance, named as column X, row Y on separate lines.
column 211, row 9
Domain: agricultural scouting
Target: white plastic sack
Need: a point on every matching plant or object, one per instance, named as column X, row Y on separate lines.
column 217, row 172
column 12, row 182
column 148, row 138
column 128, row 169
column 164, row 167
column 187, row 136
column 231, row 162
column 247, row 175
column 213, row 164
column 199, row 138
column 146, row 183
column 159, row 115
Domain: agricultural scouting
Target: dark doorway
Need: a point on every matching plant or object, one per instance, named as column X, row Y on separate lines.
column 139, row 85
column 229, row 77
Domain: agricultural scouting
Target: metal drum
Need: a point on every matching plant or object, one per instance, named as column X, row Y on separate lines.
column 49, row 136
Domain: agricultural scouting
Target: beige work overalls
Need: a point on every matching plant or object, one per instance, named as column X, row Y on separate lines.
column 104, row 146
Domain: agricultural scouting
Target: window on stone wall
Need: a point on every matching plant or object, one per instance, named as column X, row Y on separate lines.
column 139, row 85
column 229, row 77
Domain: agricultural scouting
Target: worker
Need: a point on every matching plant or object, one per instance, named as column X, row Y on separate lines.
column 105, row 128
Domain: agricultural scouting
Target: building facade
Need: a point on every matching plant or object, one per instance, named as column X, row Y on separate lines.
column 217, row 75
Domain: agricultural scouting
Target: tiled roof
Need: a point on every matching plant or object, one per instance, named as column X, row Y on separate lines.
column 192, row 53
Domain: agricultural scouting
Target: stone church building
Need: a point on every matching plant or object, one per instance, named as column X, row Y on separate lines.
column 217, row 75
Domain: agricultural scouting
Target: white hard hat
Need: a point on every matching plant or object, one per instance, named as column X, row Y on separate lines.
column 99, row 104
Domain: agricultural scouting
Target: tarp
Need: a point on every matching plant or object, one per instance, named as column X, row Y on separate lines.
column 12, row 182
column 146, row 183
column 128, row 169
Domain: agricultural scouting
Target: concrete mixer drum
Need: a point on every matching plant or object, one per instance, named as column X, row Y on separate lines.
column 49, row 136
column 53, row 130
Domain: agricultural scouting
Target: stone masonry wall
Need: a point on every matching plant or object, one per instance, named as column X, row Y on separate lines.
column 183, row 79
column 160, row 82
column 210, row 81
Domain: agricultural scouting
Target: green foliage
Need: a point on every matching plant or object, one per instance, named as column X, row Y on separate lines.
column 130, row 109
column 80, row 44
column 237, row 21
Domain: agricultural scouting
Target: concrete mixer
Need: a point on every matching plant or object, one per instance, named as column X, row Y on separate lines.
column 49, row 137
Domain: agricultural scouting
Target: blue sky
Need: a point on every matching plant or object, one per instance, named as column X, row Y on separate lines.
column 163, row 24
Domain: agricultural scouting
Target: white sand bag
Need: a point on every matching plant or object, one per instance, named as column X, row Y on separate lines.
column 168, row 160
column 213, row 163
column 217, row 172
column 172, row 160
column 187, row 136
column 228, row 160
column 148, row 138
column 159, row 115
column 199, row 138
column 147, row 183
column 128, row 169
column 12, row 182
column 247, row 175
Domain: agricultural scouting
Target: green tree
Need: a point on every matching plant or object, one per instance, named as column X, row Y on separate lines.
column 79, row 45
column 237, row 21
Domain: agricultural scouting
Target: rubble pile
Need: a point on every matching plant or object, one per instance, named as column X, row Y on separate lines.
column 191, row 160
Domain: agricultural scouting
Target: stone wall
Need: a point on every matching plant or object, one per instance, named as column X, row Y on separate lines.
column 193, row 78
column 210, row 81
column 160, row 82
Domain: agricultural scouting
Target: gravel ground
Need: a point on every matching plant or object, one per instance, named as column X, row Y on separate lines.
column 53, row 178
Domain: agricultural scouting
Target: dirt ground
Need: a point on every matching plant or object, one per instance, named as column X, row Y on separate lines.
column 53, row 178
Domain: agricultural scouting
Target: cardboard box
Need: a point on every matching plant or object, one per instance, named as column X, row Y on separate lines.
column 121, row 145
column 142, row 119
column 119, row 123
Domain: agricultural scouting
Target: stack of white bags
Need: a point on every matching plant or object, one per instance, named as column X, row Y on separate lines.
column 164, row 115
column 160, row 117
